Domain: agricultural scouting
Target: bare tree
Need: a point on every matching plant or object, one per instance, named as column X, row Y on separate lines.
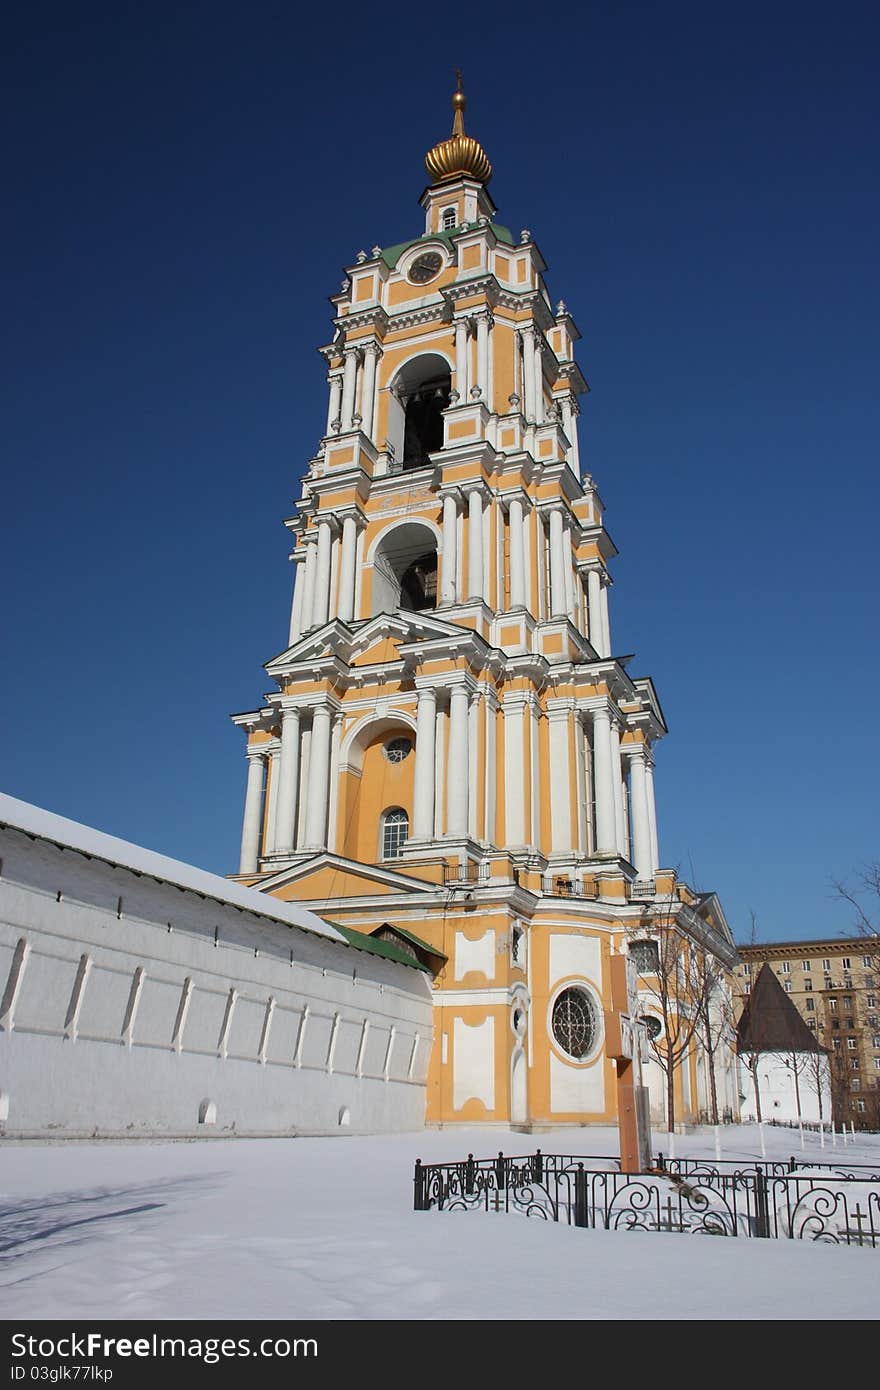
column 674, row 983
column 715, row 1009
column 864, row 899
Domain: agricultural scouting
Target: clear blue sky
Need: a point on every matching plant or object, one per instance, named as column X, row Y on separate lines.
column 184, row 185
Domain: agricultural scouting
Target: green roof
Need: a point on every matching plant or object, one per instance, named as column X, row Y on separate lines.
column 411, row 936
column 392, row 254
column 378, row 948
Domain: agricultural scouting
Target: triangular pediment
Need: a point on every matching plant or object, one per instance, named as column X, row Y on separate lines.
column 328, row 876
column 373, row 641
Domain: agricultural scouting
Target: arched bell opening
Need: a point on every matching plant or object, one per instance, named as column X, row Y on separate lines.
column 419, row 395
column 405, row 569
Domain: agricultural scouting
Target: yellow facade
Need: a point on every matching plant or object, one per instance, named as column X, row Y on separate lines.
column 453, row 755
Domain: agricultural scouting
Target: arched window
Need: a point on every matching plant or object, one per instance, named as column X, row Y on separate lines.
column 448, row 219
column 405, row 569
column 418, row 396
column 395, row 828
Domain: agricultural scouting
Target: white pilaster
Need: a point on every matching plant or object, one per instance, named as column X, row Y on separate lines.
column 567, row 571
column 560, row 785
column 321, row 605
column 606, row 827
column 349, row 386
column 517, row 553
column 483, row 324
column 617, row 782
column 539, row 380
column 652, row 815
column 372, row 353
column 334, row 381
column 528, row 355
column 308, row 602
column 594, row 605
column 558, row 597
column 490, row 715
column 296, row 607
column 347, row 570
column 450, row 529
column 639, row 814
column 274, row 771
column 606, row 624
column 514, row 772
column 319, row 773
column 253, row 813
column 458, row 763
column 288, row 783
column 423, row 777
column 475, row 544
column 461, row 357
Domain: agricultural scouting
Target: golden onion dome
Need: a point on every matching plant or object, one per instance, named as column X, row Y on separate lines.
column 460, row 154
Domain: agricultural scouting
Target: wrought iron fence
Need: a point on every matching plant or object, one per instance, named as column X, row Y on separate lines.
column 783, row 1199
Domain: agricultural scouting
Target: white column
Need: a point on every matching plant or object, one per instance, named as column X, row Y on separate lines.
column 483, row 355
column 594, row 604
column 372, row 352
column 288, row 783
column 347, row 569
column 539, row 381
column 308, row 587
column 514, row 772
column 461, row 347
column 557, row 565
column 639, row 815
column 450, row 527
column 517, row 554
column 606, row 829
column 335, row 383
column 652, row 816
column 560, row 784
column 296, row 607
column 423, row 777
column 528, row 350
column 349, row 386
column 253, row 812
column 606, row 625
column 458, row 762
column 321, row 605
column 319, row 776
column 475, row 544
column 617, row 784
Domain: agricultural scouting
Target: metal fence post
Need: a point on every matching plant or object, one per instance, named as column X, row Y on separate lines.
column 580, row 1196
column 419, row 1187
column 762, row 1213
column 470, row 1175
column 538, row 1167
column 499, row 1170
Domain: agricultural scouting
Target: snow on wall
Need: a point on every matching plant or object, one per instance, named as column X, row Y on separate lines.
column 143, row 1007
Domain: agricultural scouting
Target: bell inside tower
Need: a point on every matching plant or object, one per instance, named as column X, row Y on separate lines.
column 419, row 396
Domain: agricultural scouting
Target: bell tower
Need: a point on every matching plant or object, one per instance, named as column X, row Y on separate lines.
column 453, row 759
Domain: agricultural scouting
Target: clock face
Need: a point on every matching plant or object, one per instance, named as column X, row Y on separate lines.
column 425, row 268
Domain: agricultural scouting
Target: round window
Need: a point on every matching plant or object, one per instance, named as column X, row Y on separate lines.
column 653, row 1027
column 398, row 749
column 574, row 1023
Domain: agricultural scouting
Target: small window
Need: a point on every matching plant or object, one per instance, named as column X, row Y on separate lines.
column 786, row 967
column 847, row 1001
column 850, row 1023
column 806, row 966
column 867, row 961
column 395, row 828
column 869, row 981
column 832, row 1005
column 851, row 1044
column 448, row 219
column 747, row 969
column 397, row 749
column 855, row 1084
column 871, row 1001
column 826, row 966
column 860, row 1106
column 877, row 1063
column 646, row 956
column 876, row 1040
column 811, row 1006
column 808, row 986
column 788, row 986
column 854, row 1063
column 811, row 1023
column 846, row 963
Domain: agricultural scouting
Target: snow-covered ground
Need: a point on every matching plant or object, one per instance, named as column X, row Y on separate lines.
column 324, row 1228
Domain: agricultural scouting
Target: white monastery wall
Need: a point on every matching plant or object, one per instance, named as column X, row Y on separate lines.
column 136, row 1006
column 777, row 1086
